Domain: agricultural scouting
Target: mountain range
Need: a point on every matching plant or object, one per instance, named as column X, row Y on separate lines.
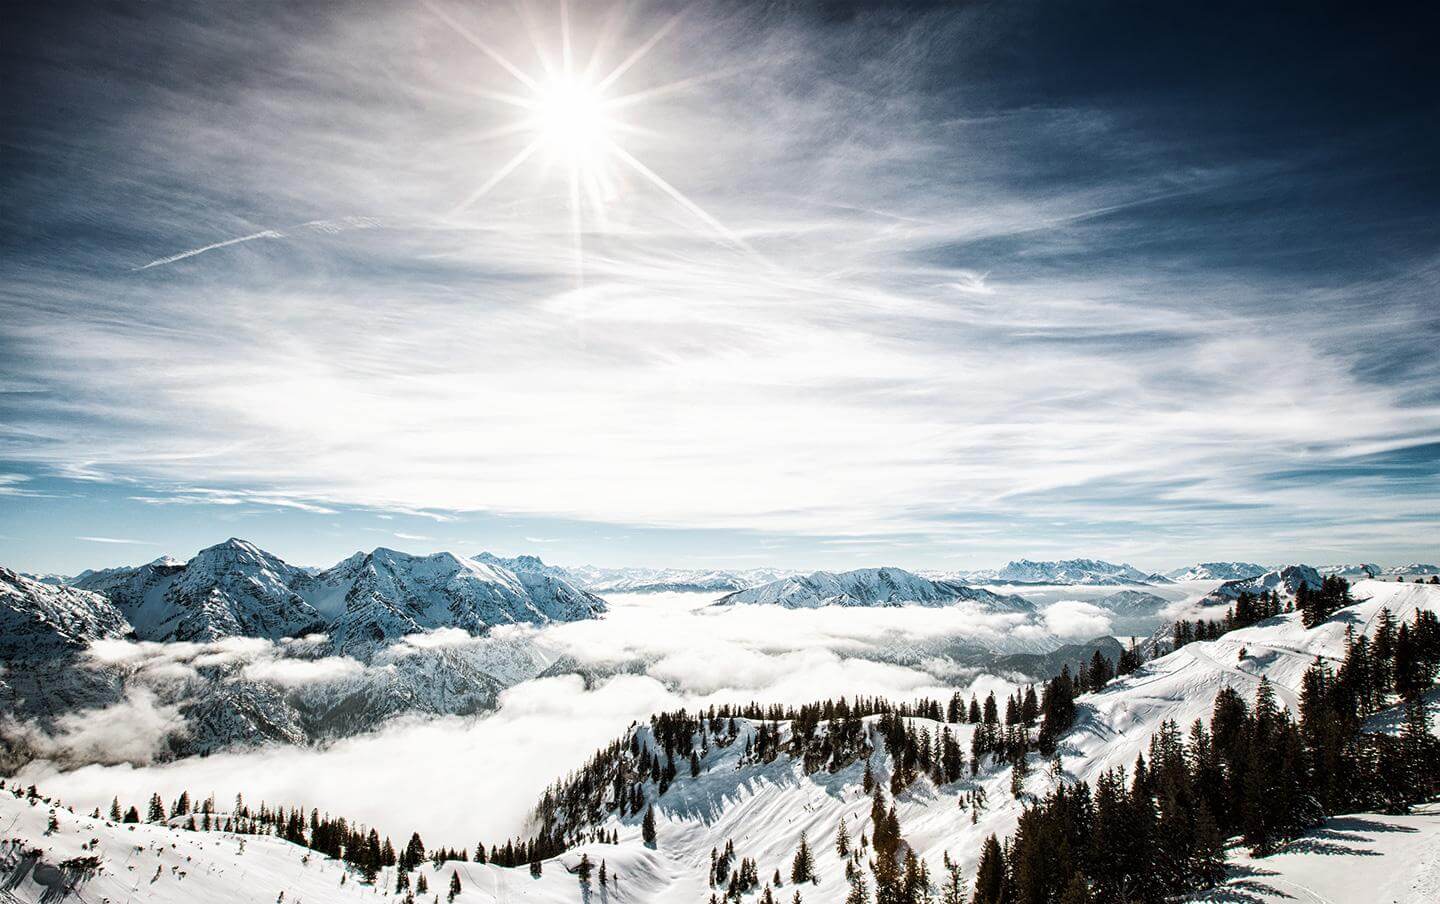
column 1217, row 571
column 363, row 603
column 1061, row 572
column 870, row 587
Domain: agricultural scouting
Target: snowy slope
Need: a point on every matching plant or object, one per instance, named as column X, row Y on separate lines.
column 39, row 619
column 154, row 863
column 870, row 587
column 1374, row 857
column 1217, row 571
column 172, row 865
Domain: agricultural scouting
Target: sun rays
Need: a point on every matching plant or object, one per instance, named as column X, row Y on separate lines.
column 572, row 119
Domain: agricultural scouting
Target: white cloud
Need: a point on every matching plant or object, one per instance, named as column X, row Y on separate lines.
column 133, row 730
column 1076, row 620
column 685, row 653
column 302, row 672
column 678, row 386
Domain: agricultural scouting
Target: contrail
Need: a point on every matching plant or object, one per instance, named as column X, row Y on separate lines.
column 327, row 226
column 265, row 234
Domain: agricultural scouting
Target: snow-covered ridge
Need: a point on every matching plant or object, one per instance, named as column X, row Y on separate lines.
column 375, row 599
column 1415, row 568
column 1217, row 571
column 870, row 587
column 1063, row 571
column 1359, row 571
column 45, row 619
column 236, row 589
column 1284, row 581
column 643, row 580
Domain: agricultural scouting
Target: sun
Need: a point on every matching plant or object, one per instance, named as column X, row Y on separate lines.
column 572, row 118
column 571, row 115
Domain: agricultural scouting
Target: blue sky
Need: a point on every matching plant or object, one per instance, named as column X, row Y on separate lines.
column 834, row 284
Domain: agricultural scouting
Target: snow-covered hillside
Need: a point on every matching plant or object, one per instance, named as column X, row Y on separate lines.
column 764, row 807
column 870, row 587
column 1363, row 857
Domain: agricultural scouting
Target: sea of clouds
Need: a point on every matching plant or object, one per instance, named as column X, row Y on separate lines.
column 459, row 780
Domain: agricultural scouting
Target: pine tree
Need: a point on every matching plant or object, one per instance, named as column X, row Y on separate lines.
column 990, row 874
column 953, row 891
column 115, row 815
column 802, row 867
column 647, row 826
column 842, row 839
column 454, row 886
column 859, row 889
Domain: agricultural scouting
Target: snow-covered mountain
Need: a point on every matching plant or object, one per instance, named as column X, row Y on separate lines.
column 1356, row 572
column 1217, row 571
column 680, row 580
column 870, row 587
column 1133, row 603
column 231, row 589
column 1283, row 581
column 236, row 589
column 1064, row 571
column 642, row 580
column 46, row 577
column 38, row 619
column 1415, row 568
column 372, row 599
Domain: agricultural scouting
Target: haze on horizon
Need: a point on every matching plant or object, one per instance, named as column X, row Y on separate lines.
column 803, row 284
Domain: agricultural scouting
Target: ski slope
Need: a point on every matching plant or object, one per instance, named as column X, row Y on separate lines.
column 1368, row 857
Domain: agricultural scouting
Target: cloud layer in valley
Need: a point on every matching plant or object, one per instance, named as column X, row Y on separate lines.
column 473, row 778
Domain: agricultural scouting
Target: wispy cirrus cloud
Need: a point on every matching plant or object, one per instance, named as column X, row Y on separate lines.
column 1009, row 314
column 119, row 540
